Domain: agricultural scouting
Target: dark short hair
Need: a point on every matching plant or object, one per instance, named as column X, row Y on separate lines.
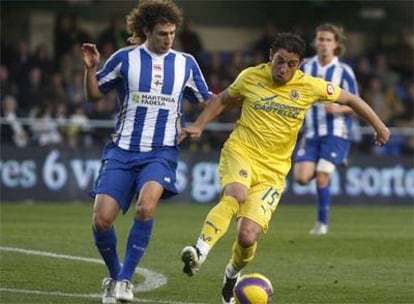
column 290, row 42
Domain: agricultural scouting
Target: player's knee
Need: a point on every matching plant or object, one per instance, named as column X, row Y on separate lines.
column 238, row 193
column 101, row 222
column 247, row 238
column 240, row 197
column 299, row 177
column 302, row 180
column 303, row 173
column 322, row 181
column 145, row 210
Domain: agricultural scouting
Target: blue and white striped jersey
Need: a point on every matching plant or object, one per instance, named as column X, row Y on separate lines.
column 317, row 122
column 150, row 91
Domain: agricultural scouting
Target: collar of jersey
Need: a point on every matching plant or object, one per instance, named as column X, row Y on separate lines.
column 152, row 54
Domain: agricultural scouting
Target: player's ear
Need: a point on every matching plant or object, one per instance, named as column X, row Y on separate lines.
column 271, row 53
column 146, row 31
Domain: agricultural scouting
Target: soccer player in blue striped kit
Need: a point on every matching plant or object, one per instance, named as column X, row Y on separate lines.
column 151, row 80
column 326, row 140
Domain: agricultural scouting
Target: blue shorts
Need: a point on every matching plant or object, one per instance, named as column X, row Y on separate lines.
column 331, row 148
column 123, row 173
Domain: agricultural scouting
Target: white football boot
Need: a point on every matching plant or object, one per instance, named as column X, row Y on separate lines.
column 319, row 229
column 108, row 297
column 192, row 259
column 123, row 291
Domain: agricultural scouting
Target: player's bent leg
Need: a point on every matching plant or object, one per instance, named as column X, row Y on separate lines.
column 304, row 172
column 215, row 226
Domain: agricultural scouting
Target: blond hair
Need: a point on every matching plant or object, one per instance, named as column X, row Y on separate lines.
column 338, row 33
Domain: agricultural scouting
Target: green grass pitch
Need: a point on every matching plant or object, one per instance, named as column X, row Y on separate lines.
column 368, row 256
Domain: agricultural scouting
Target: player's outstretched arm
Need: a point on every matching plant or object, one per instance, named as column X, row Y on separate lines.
column 91, row 58
column 382, row 134
column 213, row 109
column 338, row 109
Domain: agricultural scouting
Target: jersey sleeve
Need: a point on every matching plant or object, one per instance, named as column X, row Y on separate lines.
column 196, row 89
column 349, row 82
column 325, row 91
column 110, row 75
column 237, row 87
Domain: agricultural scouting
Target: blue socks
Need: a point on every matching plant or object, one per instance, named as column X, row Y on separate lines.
column 324, row 202
column 138, row 240
column 106, row 244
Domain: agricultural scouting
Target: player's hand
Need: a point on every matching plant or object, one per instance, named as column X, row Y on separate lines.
column 90, row 55
column 193, row 131
column 382, row 136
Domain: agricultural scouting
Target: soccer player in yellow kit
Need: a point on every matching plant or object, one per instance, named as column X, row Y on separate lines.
column 256, row 158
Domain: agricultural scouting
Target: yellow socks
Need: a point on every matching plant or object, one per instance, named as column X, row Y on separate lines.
column 242, row 256
column 218, row 221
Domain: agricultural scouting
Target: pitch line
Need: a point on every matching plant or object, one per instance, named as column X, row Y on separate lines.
column 89, row 296
column 152, row 280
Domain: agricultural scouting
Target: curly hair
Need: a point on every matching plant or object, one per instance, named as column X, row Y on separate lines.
column 290, row 42
column 147, row 14
column 338, row 33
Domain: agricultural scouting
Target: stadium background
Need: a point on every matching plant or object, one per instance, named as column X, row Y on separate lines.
column 51, row 148
column 51, row 141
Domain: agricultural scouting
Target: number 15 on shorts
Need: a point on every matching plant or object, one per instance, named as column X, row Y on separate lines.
column 271, row 196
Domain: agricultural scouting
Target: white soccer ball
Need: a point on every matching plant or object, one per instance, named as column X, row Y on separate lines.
column 253, row 288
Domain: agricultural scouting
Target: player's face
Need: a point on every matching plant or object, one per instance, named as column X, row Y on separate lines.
column 325, row 43
column 161, row 38
column 284, row 66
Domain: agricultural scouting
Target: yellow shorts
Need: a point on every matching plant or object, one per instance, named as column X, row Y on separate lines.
column 265, row 186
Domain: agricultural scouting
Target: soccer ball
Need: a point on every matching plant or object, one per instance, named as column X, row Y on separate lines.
column 253, row 288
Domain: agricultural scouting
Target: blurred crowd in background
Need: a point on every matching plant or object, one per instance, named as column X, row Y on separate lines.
column 36, row 85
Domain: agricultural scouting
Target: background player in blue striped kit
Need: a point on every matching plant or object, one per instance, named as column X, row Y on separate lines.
column 151, row 80
column 326, row 140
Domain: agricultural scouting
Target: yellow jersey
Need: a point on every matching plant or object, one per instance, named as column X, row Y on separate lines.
column 272, row 115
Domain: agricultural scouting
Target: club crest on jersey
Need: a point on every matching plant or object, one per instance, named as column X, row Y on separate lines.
column 294, row 95
column 136, row 98
column 243, row 173
column 330, row 89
